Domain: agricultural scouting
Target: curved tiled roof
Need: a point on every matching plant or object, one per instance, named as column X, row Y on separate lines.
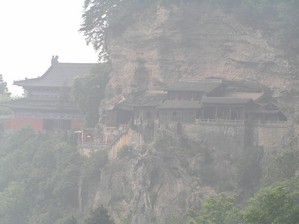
column 180, row 104
column 37, row 105
column 58, row 75
column 225, row 100
column 206, row 85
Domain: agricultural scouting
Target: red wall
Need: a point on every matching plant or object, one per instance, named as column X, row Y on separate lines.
column 35, row 123
column 76, row 124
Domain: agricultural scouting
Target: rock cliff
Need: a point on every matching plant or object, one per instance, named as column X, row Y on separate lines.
column 160, row 45
column 193, row 41
column 155, row 183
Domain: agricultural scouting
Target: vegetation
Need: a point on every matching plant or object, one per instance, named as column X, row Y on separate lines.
column 97, row 19
column 4, row 96
column 273, row 205
column 89, row 91
column 40, row 176
column 99, row 216
column 221, row 210
column 3, row 86
column 282, row 166
column 276, row 204
column 250, row 169
column 276, row 18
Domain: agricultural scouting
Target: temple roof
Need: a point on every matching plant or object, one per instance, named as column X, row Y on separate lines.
column 180, row 104
column 206, row 85
column 37, row 105
column 148, row 100
column 225, row 100
column 244, row 95
column 58, row 75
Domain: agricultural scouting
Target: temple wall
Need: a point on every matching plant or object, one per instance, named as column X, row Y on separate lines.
column 35, row 123
column 271, row 136
column 76, row 124
column 236, row 135
column 222, row 136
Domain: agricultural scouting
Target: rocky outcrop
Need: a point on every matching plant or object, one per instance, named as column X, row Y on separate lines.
column 153, row 184
column 163, row 44
column 165, row 179
column 193, row 41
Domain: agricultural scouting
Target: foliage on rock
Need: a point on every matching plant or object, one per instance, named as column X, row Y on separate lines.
column 89, row 91
column 99, row 216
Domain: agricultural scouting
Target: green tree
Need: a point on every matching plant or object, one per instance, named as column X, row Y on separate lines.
column 249, row 169
column 282, row 166
column 220, row 210
column 99, row 216
column 273, row 205
column 71, row 220
column 89, row 91
column 4, row 96
column 95, row 22
column 39, row 176
column 99, row 16
column 3, row 86
column 12, row 204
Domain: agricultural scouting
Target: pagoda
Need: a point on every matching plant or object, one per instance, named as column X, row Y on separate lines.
column 47, row 104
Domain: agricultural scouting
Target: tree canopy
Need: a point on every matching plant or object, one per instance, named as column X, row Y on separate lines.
column 277, row 204
column 99, row 15
column 273, row 205
column 3, row 86
column 99, row 216
column 89, row 91
column 39, row 178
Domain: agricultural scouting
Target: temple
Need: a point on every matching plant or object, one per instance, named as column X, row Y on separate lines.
column 218, row 100
column 47, row 104
column 208, row 100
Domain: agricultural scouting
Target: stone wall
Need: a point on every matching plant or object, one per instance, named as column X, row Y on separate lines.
column 217, row 134
column 237, row 135
column 271, row 136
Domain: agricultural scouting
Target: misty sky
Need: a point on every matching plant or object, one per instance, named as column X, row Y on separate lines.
column 31, row 31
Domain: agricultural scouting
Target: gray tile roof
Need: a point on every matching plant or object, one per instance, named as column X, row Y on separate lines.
column 58, row 75
column 36, row 105
column 206, row 85
column 148, row 100
column 180, row 104
column 225, row 100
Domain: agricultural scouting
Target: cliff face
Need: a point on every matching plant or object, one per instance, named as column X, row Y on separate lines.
column 158, row 182
column 193, row 41
column 163, row 44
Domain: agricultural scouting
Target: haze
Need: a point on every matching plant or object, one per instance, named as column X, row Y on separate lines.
column 32, row 31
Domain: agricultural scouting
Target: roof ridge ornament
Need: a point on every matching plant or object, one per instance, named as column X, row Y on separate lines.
column 54, row 60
